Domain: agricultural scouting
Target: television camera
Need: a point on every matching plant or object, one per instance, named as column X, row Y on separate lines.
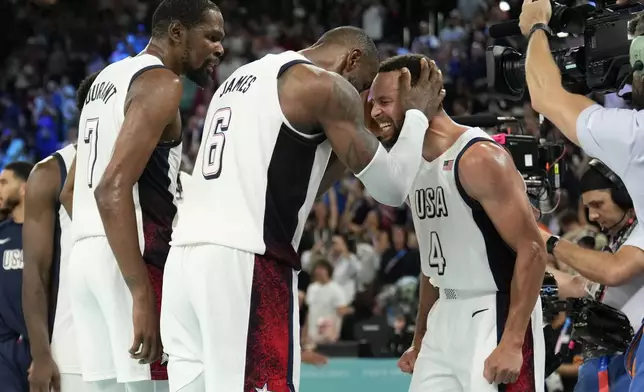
column 539, row 162
column 593, row 322
column 591, row 48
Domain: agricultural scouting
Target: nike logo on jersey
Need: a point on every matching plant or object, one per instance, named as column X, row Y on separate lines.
column 4, row 241
column 479, row 311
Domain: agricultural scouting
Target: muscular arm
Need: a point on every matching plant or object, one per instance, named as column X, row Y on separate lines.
column 489, row 176
column 67, row 193
column 310, row 95
column 153, row 102
column 546, row 91
column 427, row 297
column 38, row 243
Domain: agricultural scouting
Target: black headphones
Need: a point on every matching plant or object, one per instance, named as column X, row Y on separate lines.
column 618, row 190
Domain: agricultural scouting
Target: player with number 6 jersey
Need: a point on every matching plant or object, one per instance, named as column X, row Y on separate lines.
column 482, row 258
column 269, row 135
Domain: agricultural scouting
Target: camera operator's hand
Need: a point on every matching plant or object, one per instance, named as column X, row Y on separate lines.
column 533, row 12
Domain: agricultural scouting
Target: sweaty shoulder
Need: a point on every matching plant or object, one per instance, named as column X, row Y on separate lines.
column 45, row 179
column 157, row 84
column 486, row 166
column 307, row 92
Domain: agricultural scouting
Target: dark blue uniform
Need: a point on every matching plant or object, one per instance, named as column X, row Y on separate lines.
column 14, row 349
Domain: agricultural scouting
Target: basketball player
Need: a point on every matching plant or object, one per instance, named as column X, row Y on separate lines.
column 270, row 130
column 482, row 257
column 44, row 287
column 14, row 347
column 123, row 194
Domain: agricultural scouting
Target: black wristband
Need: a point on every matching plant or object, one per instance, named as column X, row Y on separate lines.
column 551, row 243
column 540, row 26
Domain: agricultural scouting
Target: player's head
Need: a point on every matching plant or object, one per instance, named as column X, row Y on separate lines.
column 194, row 30
column 357, row 59
column 13, row 180
column 83, row 90
column 608, row 203
column 387, row 109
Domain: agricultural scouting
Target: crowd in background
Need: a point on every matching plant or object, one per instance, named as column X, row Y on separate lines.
column 360, row 259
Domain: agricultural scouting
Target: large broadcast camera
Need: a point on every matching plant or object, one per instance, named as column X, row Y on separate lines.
column 539, row 162
column 591, row 48
column 593, row 323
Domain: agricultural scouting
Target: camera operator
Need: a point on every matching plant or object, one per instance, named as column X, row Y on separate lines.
column 620, row 283
column 616, row 136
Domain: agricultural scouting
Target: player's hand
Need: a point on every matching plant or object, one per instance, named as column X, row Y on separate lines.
column 503, row 366
column 44, row 375
column 428, row 93
column 408, row 360
column 147, row 346
column 533, row 12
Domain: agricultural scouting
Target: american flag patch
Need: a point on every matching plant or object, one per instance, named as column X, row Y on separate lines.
column 448, row 165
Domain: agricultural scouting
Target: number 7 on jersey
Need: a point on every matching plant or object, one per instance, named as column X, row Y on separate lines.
column 214, row 144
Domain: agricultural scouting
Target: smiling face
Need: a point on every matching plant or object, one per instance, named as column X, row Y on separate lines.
column 387, row 110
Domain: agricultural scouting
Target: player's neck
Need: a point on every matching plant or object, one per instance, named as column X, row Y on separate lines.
column 159, row 49
column 440, row 136
column 322, row 57
column 18, row 213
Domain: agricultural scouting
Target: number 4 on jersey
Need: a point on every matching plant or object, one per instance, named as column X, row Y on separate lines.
column 436, row 259
column 215, row 143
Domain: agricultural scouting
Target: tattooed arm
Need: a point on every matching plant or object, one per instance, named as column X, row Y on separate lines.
column 310, row 95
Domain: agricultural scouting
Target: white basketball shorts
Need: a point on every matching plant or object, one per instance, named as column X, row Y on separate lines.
column 102, row 309
column 463, row 328
column 229, row 321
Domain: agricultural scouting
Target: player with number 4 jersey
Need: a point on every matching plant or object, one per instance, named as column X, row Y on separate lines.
column 127, row 162
column 229, row 316
column 482, row 257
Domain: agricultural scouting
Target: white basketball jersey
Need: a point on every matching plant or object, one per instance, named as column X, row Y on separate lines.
column 459, row 246
column 256, row 177
column 100, row 124
column 63, row 343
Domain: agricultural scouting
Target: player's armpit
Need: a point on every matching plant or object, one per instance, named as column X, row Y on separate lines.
column 489, row 176
column 38, row 231
column 152, row 104
column 67, row 193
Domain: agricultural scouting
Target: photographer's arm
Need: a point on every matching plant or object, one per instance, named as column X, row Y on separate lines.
column 569, row 286
column 603, row 267
column 546, row 91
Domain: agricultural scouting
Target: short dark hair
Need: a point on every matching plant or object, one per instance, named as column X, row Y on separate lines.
column 187, row 12
column 351, row 36
column 323, row 263
column 20, row 169
column 83, row 89
column 410, row 61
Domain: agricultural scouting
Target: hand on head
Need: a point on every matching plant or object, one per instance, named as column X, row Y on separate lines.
column 427, row 94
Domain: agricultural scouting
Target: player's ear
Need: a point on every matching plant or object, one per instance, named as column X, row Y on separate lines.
column 351, row 62
column 176, row 32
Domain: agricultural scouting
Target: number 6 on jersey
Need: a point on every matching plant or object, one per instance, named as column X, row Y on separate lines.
column 215, row 143
column 436, row 258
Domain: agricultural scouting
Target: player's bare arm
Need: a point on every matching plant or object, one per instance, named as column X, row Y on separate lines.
column 67, row 193
column 602, row 267
column 543, row 76
column 38, row 235
column 490, row 177
column 315, row 96
column 151, row 109
column 569, row 286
